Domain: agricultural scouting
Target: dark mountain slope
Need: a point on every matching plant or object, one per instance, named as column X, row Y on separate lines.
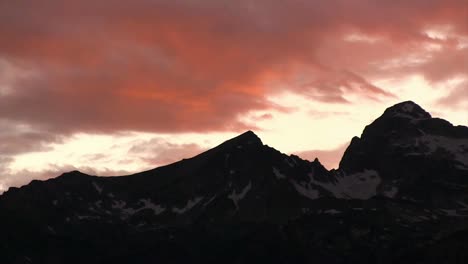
column 399, row 196
column 417, row 157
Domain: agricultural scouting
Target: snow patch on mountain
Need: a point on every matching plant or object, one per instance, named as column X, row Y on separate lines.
column 429, row 144
column 362, row 185
column 125, row 211
column 461, row 211
column 97, row 187
column 290, row 161
column 190, row 204
column 51, row 230
column 451, row 212
column 236, row 197
column 306, row 190
column 209, row 201
column 118, row 204
column 128, row 211
column 278, row 174
column 332, row 212
column 87, row 217
column 98, row 203
column 147, row 204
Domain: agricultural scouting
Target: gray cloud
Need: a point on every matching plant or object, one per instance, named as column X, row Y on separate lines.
column 158, row 151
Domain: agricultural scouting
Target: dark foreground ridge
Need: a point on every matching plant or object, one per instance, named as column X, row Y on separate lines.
column 400, row 195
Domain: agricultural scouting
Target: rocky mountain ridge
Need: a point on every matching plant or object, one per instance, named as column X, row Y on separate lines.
column 400, row 195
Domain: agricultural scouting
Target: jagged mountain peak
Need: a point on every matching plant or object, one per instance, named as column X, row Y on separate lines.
column 401, row 120
column 248, row 138
column 412, row 152
column 400, row 187
column 407, row 109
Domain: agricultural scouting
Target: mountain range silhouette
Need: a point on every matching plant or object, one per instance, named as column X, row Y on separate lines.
column 400, row 195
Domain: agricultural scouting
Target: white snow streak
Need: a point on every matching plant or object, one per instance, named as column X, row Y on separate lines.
column 147, row 204
column 332, row 212
column 278, row 174
column 236, row 197
column 190, row 204
column 362, row 185
column 97, row 187
column 306, row 191
column 428, row 144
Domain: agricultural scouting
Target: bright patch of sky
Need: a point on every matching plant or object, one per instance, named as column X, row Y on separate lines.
column 310, row 125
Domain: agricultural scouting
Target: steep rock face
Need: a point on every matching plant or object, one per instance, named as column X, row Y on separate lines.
column 416, row 156
column 399, row 196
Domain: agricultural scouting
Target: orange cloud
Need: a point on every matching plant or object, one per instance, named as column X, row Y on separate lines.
column 200, row 66
column 165, row 66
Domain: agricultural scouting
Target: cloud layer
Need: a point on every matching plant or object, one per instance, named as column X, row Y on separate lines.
column 165, row 66
column 168, row 66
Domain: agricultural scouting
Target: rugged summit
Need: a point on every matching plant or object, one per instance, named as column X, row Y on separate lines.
column 407, row 110
column 416, row 156
column 400, row 195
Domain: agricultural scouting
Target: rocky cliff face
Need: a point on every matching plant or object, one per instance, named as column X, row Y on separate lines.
column 416, row 156
column 399, row 196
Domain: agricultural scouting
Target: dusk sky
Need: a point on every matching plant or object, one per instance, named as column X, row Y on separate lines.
column 116, row 87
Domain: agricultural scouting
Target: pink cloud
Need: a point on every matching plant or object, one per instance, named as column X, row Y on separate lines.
column 168, row 67
column 173, row 67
